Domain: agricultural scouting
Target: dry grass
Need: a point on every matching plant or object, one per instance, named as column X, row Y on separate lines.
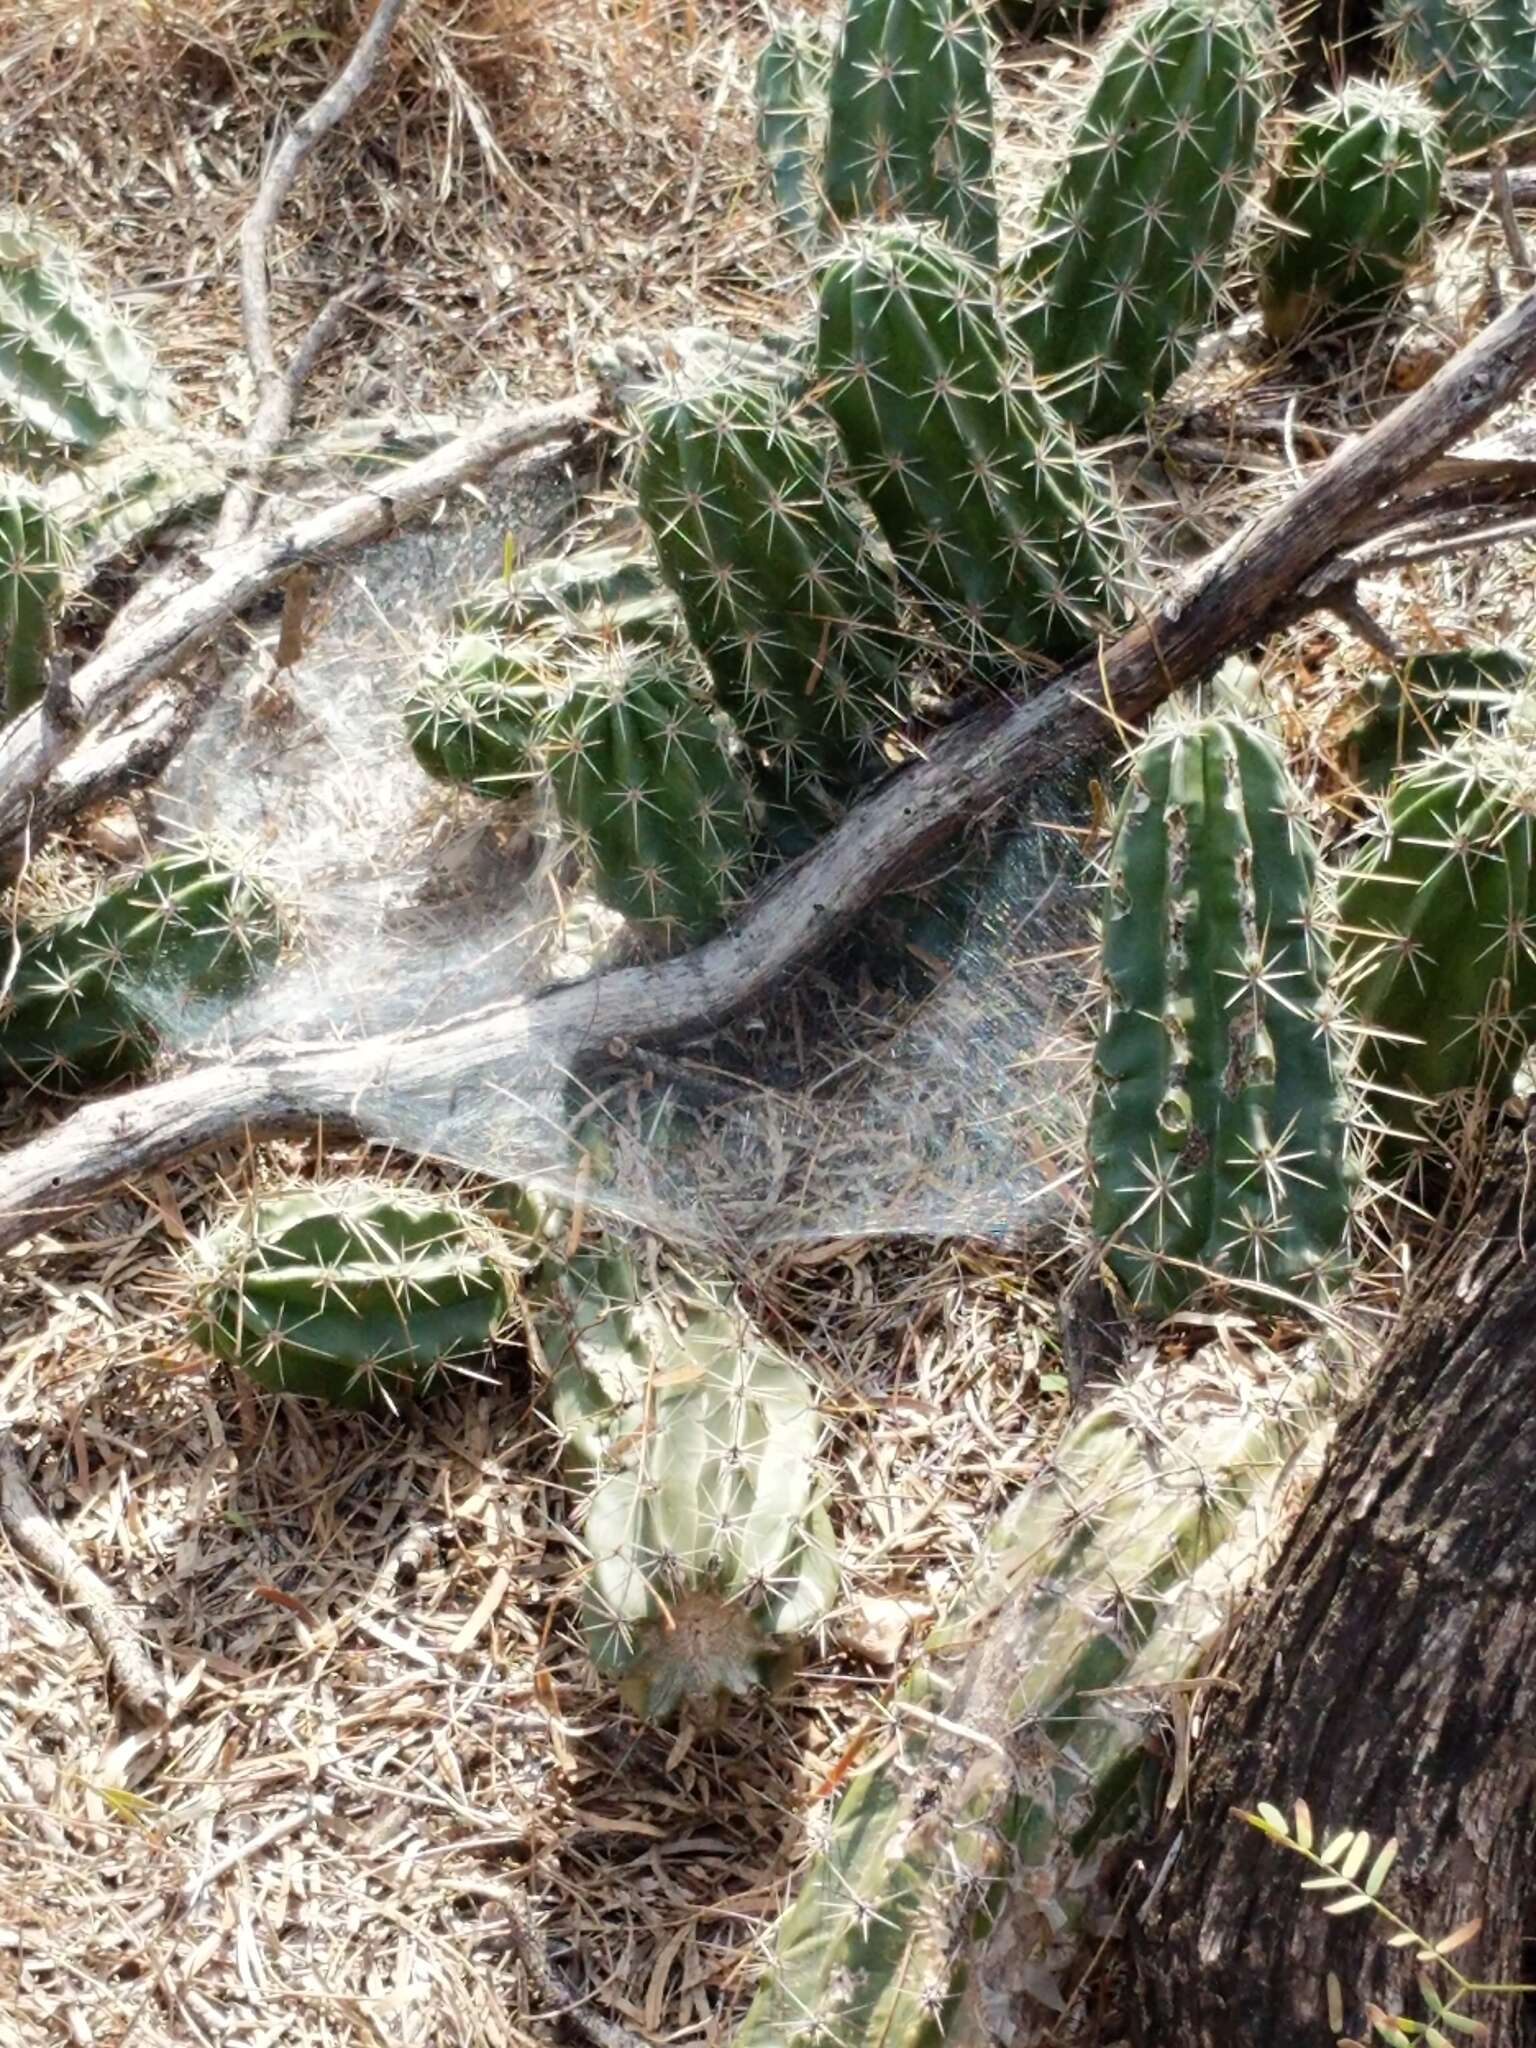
column 382, row 1719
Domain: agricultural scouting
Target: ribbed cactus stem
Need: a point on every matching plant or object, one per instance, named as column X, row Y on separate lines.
column 359, row 1293
column 477, row 713
column 909, row 120
column 1428, row 702
column 782, row 592
column 1124, row 263
column 1352, row 205
column 1009, row 537
column 1218, row 1135
column 648, row 789
column 694, row 1445
column 1476, row 59
column 82, row 1003
column 33, row 560
column 1437, row 928
column 993, row 1799
column 71, row 372
column 791, row 91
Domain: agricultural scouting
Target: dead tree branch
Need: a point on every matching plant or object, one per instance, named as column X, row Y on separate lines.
column 1250, row 588
column 33, row 749
column 277, row 390
column 37, row 1541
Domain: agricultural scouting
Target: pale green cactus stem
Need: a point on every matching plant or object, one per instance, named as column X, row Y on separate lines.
column 784, row 597
column 81, row 1002
column 116, row 503
column 1352, row 205
column 694, row 1444
column 909, row 120
column 1437, row 929
column 973, row 1841
column 34, row 563
column 1124, row 264
column 359, row 1293
column 647, row 787
column 791, row 93
column 599, row 595
column 1010, row 538
column 72, row 374
column 1219, row 1144
column 1476, row 59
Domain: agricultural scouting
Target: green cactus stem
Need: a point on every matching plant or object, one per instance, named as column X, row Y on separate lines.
column 71, row 372
column 783, row 596
column 1217, row 1138
column 1426, row 703
column 909, row 120
column 694, row 1443
column 1008, row 1767
column 1009, row 537
column 1437, row 928
column 647, row 788
column 360, row 1294
column 34, row 559
column 477, row 712
column 81, row 1004
column 1352, row 205
column 1476, row 59
column 791, row 93
column 1129, row 247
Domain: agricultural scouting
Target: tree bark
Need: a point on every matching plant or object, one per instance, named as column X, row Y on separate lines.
column 1388, row 1678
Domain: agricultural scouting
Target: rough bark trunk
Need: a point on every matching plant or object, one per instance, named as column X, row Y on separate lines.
column 1389, row 1678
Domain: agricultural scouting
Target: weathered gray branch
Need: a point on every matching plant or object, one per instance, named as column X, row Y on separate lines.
column 1247, row 590
column 277, row 389
column 33, row 748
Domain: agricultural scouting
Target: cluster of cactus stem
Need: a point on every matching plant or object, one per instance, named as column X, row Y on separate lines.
column 1426, row 702
column 693, row 1443
column 81, row 1000
column 1218, row 1138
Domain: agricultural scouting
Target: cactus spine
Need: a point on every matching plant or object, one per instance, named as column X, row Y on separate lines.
column 791, row 88
column 1475, row 58
column 71, row 372
column 909, row 120
column 645, row 784
column 1010, row 538
column 33, row 560
column 1437, row 924
column 694, row 1442
column 359, row 1294
column 81, row 1004
column 1427, row 702
column 1353, row 204
column 1014, row 1766
column 782, row 595
column 1131, row 236
column 1217, row 1138
column 476, row 714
